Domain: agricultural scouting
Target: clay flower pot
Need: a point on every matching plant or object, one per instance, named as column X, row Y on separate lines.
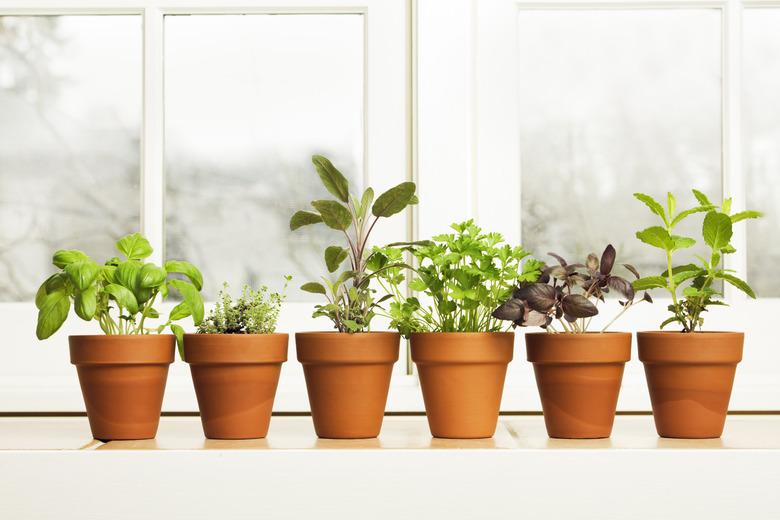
column 462, row 378
column 689, row 376
column 235, row 378
column 347, row 378
column 579, row 376
column 123, row 381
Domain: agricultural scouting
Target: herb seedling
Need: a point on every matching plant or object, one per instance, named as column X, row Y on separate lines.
column 569, row 293
column 254, row 312
column 717, row 230
column 350, row 301
column 119, row 295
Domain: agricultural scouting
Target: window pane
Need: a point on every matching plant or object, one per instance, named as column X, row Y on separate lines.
column 611, row 103
column 761, row 53
column 249, row 99
column 70, row 99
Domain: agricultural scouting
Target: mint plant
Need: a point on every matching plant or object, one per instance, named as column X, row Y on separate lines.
column 464, row 275
column 350, row 299
column 254, row 312
column 569, row 293
column 696, row 280
column 120, row 294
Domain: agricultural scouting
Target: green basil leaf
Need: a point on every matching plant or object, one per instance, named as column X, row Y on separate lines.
column 127, row 274
column 193, row 298
column 181, row 311
column 123, row 296
column 82, row 273
column 187, row 269
column 65, row 257
column 152, row 276
column 134, row 247
column 52, row 314
column 56, row 282
column 85, row 303
column 394, row 200
column 179, row 333
column 334, row 180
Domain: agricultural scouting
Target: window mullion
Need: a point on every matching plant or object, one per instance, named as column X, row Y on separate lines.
column 152, row 133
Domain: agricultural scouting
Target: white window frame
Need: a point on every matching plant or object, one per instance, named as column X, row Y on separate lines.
column 467, row 160
column 41, row 379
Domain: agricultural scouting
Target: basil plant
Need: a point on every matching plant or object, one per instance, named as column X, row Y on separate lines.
column 120, row 294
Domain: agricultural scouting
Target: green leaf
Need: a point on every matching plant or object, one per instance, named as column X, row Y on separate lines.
column 656, row 236
column 365, row 202
column 304, row 218
column 653, row 204
column 717, row 230
column 649, row 282
column 179, row 333
column 127, row 274
column 726, row 206
column 64, row 257
column 334, row 180
column 192, row 296
column 82, row 273
column 187, row 269
column 333, row 213
column 52, row 314
column 679, row 242
column 702, row 198
column 743, row 215
column 393, row 200
column 85, row 303
column 134, row 247
column 56, row 282
column 334, row 256
column 738, row 283
column 123, row 296
column 314, row 287
column 181, row 311
column 152, row 276
column 671, row 204
column 683, row 214
column 667, row 321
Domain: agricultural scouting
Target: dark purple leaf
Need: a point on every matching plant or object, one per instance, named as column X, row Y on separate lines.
column 559, row 258
column 536, row 319
column 511, row 310
column 578, row 306
column 622, row 286
column 632, row 269
column 646, row 297
column 538, row 296
column 607, row 260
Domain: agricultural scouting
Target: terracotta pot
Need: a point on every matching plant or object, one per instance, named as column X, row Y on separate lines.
column 347, row 378
column 123, row 381
column 579, row 376
column 235, row 378
column 689, row 376
column 462, row 378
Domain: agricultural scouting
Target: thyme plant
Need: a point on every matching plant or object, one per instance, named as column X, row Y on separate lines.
column 254, row 312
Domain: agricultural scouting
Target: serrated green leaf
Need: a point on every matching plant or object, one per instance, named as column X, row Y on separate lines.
column 656, row 236
column 334, row 180
column 738, row 283
column 649, row 282
column 192, row 296
column 668, row 321
column 702, row 198
column 314, row 287
column 134, row 247
column 679, row 242
column 187, row 269
column 393, row 200
column 123, row 296
column 717, row 230
column 743, row 215
column 333, row 213
column 304, row 218
column 653, row 204
column 688, row 212
column 334, row 256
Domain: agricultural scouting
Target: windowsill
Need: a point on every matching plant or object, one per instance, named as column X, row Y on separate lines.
column 51, row 465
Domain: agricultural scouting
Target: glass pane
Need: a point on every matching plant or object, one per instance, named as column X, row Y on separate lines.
column 70, row 99
column 246, row 107
column 761, row 119
column 611, row 103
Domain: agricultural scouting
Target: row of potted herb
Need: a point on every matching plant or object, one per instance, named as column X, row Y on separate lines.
column 471, row 286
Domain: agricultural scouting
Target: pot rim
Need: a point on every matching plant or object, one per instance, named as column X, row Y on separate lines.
column 580, row 334
column 237, row 335
column 121, row 349
column 126, row 336
column 335, row 332
column 466, row 334
column 692, row 334
column 578, row 348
